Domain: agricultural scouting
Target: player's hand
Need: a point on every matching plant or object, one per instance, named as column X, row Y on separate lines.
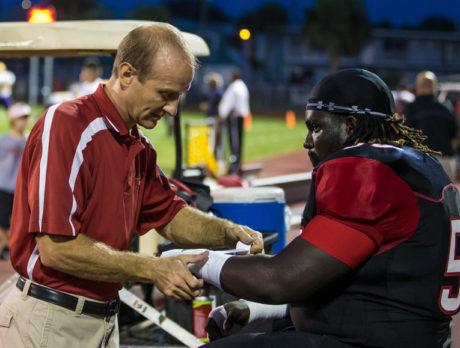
column 227, row 319
column 235, row 233
column 173, row 279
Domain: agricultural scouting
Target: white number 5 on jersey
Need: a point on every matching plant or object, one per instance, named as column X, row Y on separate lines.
column 448, row 302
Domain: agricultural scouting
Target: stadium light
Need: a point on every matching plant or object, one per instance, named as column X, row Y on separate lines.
column 41, row 15
column 245, row 34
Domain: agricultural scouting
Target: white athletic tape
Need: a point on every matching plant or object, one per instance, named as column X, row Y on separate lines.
column 177, row 252
column 256, row 311
column 209, row 269
column 266, row 311
column 243, row 247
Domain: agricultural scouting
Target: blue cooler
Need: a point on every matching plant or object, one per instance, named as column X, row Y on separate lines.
column 261, row 208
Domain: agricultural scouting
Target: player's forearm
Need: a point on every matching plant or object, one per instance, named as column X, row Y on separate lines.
column 266, row 280
column 261, row 280
column 193, row 228
column 88, row 259
column 291, row 276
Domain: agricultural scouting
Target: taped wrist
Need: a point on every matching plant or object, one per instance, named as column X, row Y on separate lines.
column 219, row 314
column 266, row 311
column 177, row 252
column 210, row 270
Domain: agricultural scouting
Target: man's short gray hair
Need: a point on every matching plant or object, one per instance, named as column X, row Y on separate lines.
column 141, row 45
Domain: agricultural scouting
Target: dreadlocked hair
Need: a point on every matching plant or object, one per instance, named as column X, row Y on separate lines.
column 388, row 130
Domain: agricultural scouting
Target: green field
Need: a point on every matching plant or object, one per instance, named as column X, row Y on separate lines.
column 268, row 137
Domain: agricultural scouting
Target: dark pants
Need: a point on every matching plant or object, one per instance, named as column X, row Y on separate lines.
column 235, row 132
column 6, row 206
column 278, row 340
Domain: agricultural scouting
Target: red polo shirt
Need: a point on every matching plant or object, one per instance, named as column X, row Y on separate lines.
column 83, row 171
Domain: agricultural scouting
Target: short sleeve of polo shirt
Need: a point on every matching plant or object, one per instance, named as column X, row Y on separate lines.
column 365, row 195
column 159, row 203
column 57, row 189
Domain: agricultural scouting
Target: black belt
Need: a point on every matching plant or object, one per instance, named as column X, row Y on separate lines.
column 103, row 309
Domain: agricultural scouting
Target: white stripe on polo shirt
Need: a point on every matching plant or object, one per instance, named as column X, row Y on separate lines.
column 32, row 261
column 92, row 129
column 42, row 183
column 44, row 162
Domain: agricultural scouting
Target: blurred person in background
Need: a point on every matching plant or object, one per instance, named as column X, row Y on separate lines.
column 7, row 80
column 89, row 79
column 11, row 148
column 233, row 107
column 210, row 107
column 402, row 97
column 214, row 83
column 435, row 120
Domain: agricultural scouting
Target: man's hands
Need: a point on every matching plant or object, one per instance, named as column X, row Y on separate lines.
column 227, row 319
column 85, row 258
column 235, row 233
column 88, row 259
column 208, row 269
column 172, row 277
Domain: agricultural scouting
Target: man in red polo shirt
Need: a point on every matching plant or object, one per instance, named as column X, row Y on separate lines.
column 88, row 181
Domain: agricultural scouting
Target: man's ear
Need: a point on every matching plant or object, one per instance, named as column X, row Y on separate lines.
column 126, row 74
column 351, row 124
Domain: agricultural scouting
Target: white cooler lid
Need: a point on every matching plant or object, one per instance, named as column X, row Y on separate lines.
column 247, row 194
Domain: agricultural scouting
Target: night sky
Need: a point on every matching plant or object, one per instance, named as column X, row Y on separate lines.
column 397, row 12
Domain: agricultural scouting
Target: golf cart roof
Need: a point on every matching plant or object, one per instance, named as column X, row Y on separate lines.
column 449, row 86
column 74, row 38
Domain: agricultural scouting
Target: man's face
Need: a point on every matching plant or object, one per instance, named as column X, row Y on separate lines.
column 327, row 134
column 148, row 102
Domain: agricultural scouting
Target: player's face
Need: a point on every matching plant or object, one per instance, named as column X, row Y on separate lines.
column 327, row 134
column 159, row 94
